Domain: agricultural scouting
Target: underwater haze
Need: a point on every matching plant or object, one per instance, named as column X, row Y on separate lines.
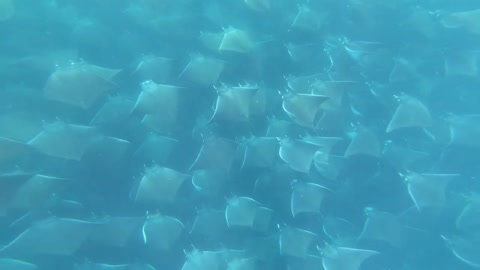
column 239, row 134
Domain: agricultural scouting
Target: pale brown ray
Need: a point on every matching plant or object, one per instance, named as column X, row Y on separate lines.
column 80, row 85
column 383, row 227
column 278, row 128
column 364, row 142
column 334, row 90
column 241, row 212
column 465, row 248
column 308, row 19
column 211, row 40
column 303, row 108
column 258, row 5
column 234, row 103
column 216, row 154
column 37, row 192
column 157, row 99
column 203, row 71
column 469, row 20
column 203, row 260
column 345, row 258
column 117, row 232
column 21, row 124
column 428, row 191
column 155, row 68
column 159, row 123
column 209, row 222
column 401, row 157
column 51, row 236
column 467, row 221
column 106, row 153
column 461, row 63
column 307, row 198
column 209, row 182
column 63, row 140
column 13, row 264
column 115, row 111
column 159, row 185
column 155, row 148
column 328, row 166
column 410, row 113
column 295, row 242
column 464, row 130
column 261, row 152
column 298, row 154
column 161, row 232
column 236, row 40
column 12, row 150
column 242, row 264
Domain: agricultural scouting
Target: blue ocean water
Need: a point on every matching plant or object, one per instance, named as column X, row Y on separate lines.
column 239, row 134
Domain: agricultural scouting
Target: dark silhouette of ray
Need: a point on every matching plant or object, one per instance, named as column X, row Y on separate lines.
column 117, row 232
column 161, row 232
column 364, row 142
column 38, row 192
column 51, row 236
column 345, row 258
column 465, row 249
column 215, row 154
column 155, row 148
column 115, row 111
column 236, row 40
column 428, row 191
column 410, row 112
column 383, row 227
column 260, row 152
column 64, row 140
column 157, row 99
column 298, row 154
column 155, row 68
column 241, row 212
column 258, row 5
column 464, row 130
column 159, row 185
column 303, row 108
column 79, row 85
column 234, row 103
column 210, row 182
column 13, row 264
column 203, row 71
column 295, row 242
column 307, row 198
